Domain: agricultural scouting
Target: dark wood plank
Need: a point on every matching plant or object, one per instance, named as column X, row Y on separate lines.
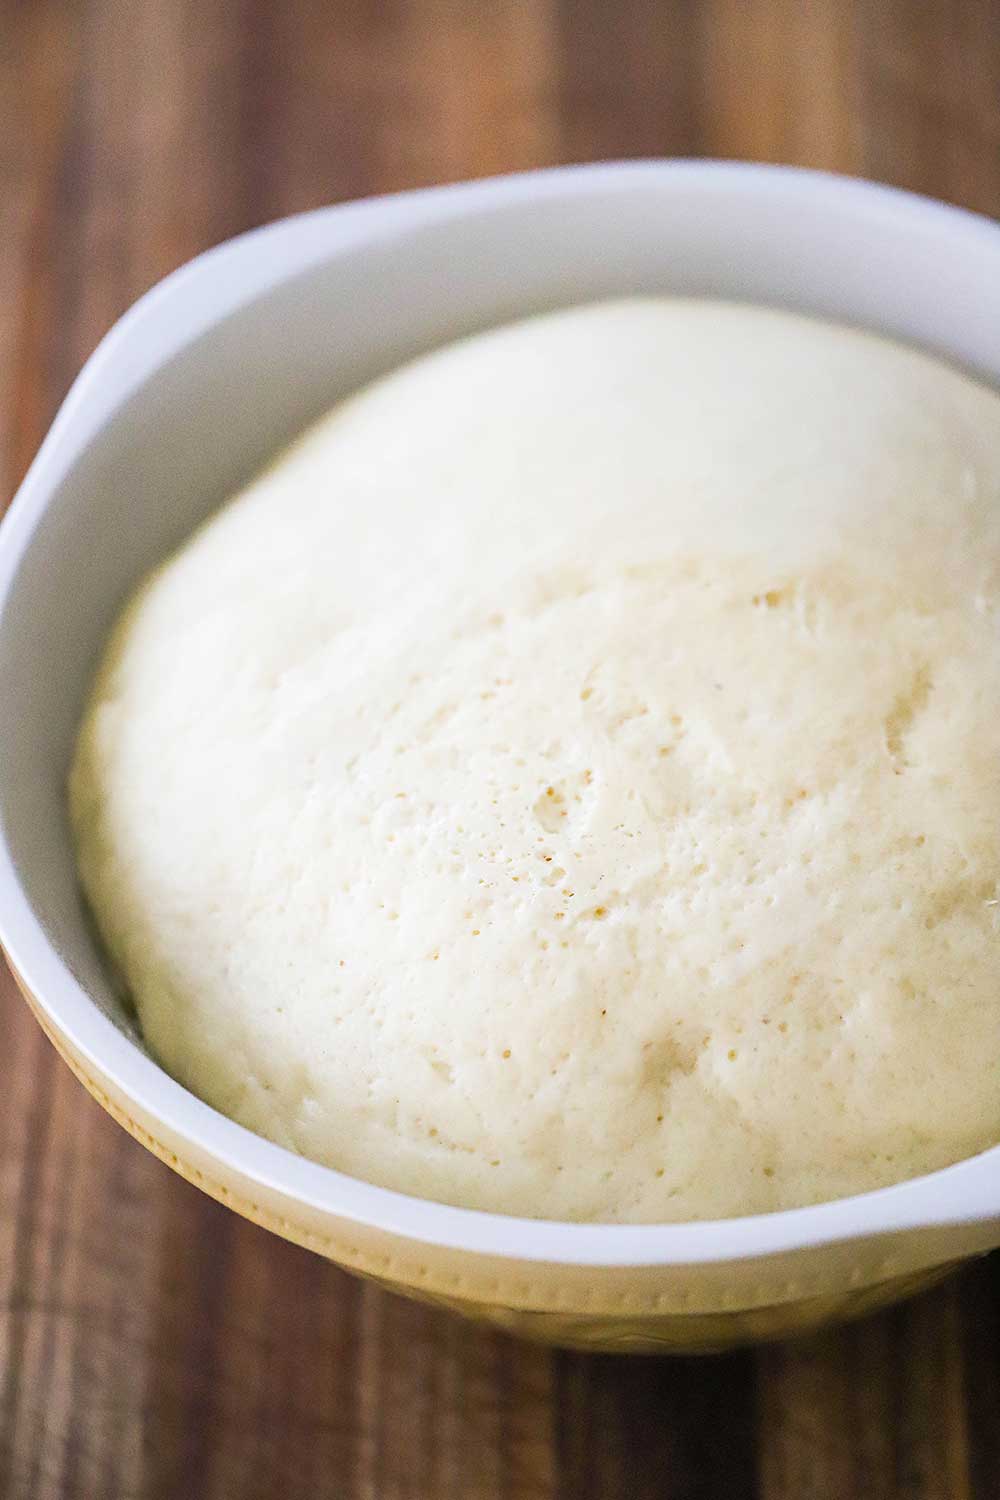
column 151, row 1344
column 664, row 1429
column 874, row 1408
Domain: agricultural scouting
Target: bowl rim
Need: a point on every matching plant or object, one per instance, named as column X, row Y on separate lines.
column 164, row 320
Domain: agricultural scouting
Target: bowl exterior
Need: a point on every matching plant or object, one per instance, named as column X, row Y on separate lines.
column 689, row 1333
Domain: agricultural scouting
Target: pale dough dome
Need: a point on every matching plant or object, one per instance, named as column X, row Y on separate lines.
column 567, row 782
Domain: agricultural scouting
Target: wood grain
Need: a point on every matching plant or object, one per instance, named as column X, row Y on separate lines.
column 152, row 1345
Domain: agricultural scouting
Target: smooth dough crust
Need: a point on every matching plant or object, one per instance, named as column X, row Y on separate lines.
column 567, row 783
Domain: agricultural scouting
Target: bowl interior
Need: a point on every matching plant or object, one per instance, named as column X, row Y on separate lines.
column 202, row 423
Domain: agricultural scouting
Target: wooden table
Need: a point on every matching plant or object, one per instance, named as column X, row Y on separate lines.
column 151, row 1343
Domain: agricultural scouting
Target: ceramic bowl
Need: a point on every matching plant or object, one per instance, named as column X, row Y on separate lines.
column 187, row 396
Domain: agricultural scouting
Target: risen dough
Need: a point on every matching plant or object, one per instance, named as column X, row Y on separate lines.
column 566, row 783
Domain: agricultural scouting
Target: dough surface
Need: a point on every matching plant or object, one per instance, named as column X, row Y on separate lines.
column 566, row 783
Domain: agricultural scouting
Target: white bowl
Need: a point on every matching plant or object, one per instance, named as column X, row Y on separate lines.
column 185, row 398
